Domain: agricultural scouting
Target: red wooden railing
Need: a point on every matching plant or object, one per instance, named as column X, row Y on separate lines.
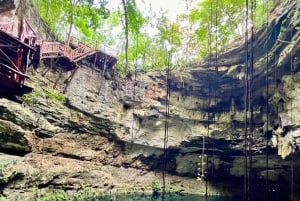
column 79, row 50
column 52, row 49
column 7, row 27
column 56, row 49
column 26, row 32
column 22, row 41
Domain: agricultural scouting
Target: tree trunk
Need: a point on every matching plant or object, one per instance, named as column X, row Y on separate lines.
column 73, row 5
column 126, row 34
column 69, row 34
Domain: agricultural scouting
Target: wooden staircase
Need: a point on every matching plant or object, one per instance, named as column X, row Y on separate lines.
column 73, row 53
column 20, row 47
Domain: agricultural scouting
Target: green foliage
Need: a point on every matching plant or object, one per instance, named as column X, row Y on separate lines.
column 169, row 32
column 33, row 190
column 54, row 95
column 296, row 19
column 211, row 16
column 222, row 21
column 28, row 98
column 86, row 193
column 51, row 12
column 176, row 189
column 135, row 17
column 156, row 186
column 154, row 41
column 56, row 195
column 61, row 195
column 86, row 15
column 120, row 66
column 2, row 198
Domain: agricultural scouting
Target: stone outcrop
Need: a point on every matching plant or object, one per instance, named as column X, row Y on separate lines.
column 107, row 128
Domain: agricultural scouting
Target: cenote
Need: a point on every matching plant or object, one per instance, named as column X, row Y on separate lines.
column 123, row 100
column 255, row 196
column 168, row 197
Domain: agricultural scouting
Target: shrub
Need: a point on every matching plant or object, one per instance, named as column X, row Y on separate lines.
column 52, row 95
column 156, row 186
column 2, row 198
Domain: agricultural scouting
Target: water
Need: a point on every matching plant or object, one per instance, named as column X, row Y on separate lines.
column 172, row 197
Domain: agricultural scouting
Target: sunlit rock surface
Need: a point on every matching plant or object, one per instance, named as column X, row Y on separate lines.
column 109, row 132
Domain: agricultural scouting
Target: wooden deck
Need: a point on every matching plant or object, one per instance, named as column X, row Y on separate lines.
column 69, row 55
column 15, row 54
column 19, row 48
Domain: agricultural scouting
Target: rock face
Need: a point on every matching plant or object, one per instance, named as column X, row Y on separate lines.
column 7, row 5
column 107, row 128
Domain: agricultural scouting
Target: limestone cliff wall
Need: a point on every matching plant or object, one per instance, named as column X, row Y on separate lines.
column 109, row 126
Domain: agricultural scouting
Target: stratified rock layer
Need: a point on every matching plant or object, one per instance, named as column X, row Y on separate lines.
column 109, row 132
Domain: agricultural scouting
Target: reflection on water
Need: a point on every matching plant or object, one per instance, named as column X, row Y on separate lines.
column 167, row 198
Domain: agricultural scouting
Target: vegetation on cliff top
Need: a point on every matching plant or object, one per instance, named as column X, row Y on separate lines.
column 48, row 94
column 151, row 40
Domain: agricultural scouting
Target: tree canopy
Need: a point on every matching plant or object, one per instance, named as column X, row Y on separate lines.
column 149, row 39
column 86, row 16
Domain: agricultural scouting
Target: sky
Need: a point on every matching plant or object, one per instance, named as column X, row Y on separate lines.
column 173, row 7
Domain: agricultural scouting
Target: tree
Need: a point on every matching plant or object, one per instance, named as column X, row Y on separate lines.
column 125, row 5
column 133, row 20
column 73, row 4
column 227, row 17
column 83, row 15
column 190, row 47
column 149, row 40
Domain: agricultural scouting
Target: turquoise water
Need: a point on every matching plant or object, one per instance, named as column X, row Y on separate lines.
column 167, row 198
